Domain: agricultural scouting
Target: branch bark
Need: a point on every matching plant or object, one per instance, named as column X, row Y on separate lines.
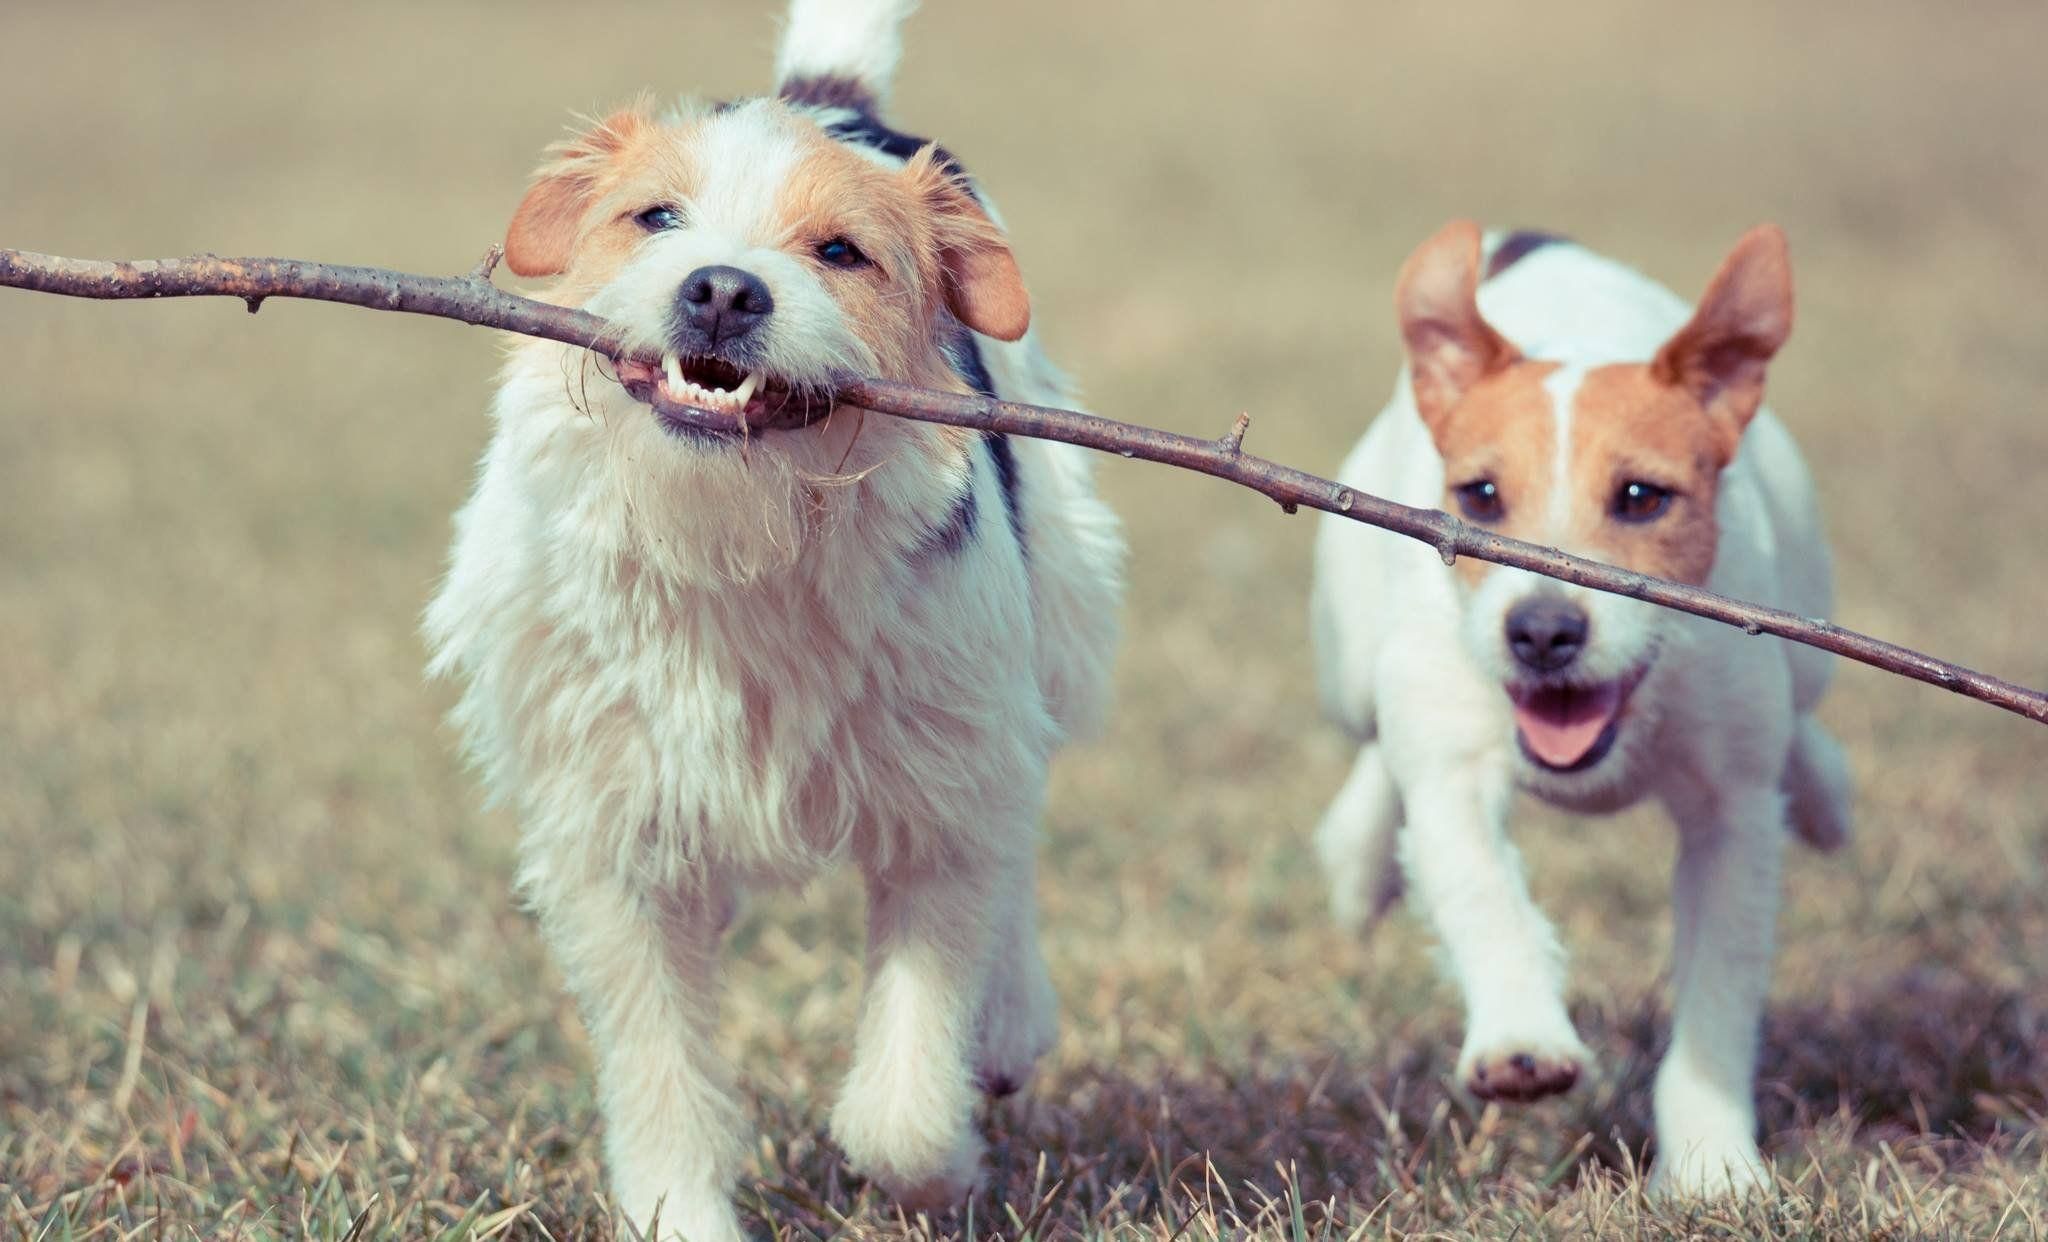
column 472, row 299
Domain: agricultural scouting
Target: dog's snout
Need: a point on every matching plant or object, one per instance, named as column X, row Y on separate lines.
column 1546, row 633
column 719, row 305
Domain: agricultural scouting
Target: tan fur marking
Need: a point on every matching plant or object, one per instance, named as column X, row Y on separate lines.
column 984, row 286
column 546, row 229
column 1674, row 422
column 1502, row 430
column 1450, row 345
column 1627, row 426
column 931, row 244
column 1743, row 319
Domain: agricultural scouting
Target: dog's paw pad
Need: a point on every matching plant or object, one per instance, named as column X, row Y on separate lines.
column 1518, row 1075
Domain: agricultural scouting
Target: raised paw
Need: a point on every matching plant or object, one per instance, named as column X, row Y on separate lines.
column 1520, row 1071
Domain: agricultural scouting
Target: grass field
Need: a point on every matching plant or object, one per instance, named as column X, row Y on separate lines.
column 260, row 971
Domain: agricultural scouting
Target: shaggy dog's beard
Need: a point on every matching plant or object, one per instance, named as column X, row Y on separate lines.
column 716, row 513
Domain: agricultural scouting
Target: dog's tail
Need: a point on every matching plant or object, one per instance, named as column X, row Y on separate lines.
column 841, row 53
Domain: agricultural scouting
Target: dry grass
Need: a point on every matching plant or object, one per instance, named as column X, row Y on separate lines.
column 261, row 973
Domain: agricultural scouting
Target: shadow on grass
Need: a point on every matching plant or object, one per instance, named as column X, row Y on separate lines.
column 1936, row 1057
column 1937, row 1053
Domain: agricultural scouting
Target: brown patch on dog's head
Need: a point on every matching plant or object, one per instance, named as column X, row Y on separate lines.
column 1451, row 347
column 901, row 251
column 1483, row 402
column 1638, row 480
column 1743, row 319
column 1667, row 429
column 1643, row 475
column 984, row 288
column 549, row 224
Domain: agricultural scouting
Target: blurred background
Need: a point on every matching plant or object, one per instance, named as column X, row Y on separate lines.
column 259, row 965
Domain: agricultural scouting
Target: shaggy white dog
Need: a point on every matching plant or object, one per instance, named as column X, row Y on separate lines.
column 702, row 652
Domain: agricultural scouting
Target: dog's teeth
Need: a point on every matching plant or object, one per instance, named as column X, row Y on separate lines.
column 745, row 392
column 672, row 367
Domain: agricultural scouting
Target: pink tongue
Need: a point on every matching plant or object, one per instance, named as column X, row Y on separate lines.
column 1560, row 725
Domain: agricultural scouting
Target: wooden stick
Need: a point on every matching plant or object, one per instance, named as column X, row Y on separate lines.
column 473, row 299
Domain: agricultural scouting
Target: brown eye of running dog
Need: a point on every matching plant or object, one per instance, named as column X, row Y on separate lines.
column 840, row 252
column 1637, row 501
column 1481, row 500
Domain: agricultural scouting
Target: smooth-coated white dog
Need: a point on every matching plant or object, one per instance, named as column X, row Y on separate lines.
column 1557, row 396
column 699, row 661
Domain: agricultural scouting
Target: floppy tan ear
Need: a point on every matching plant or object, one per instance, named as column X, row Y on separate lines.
column 1450, row 345
column 1743, row 319
column 543, row 231
column 984, row 288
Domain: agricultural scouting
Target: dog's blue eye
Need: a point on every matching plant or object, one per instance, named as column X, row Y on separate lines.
column 840, row 252
column 1481, row 501
column 656, row 219
column 1637, row 501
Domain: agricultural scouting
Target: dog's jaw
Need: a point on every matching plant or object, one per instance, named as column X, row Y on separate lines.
column 757, row 403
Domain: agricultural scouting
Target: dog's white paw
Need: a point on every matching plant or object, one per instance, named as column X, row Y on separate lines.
column 680, row 1215
column 917, row 1145
column 1522, row 1066
column 1708, row 1169
column 1019, row 1025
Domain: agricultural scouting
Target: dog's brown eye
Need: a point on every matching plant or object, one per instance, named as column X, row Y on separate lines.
column 657, row 219
column 1637, row 501
column 1480, row 499
column 840, row 252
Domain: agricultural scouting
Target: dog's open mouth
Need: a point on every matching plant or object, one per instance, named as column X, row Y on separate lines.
column 711, row 395
column 1570, row 728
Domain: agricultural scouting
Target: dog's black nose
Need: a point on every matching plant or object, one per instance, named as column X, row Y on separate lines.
column 718, row 305
column 1546, row 633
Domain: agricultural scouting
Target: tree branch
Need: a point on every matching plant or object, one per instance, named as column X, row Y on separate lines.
column 472, row 299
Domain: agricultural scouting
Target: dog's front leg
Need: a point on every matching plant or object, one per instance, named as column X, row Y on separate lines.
column 1466, row 878
column 906, row 1114
column 1725, row 896
column 645, row 968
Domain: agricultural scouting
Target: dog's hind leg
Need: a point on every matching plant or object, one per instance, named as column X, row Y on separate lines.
column 1355, row 843
column 1019, row 1012
column 645, row 968
column 1817, row 786
column 906, row 1115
